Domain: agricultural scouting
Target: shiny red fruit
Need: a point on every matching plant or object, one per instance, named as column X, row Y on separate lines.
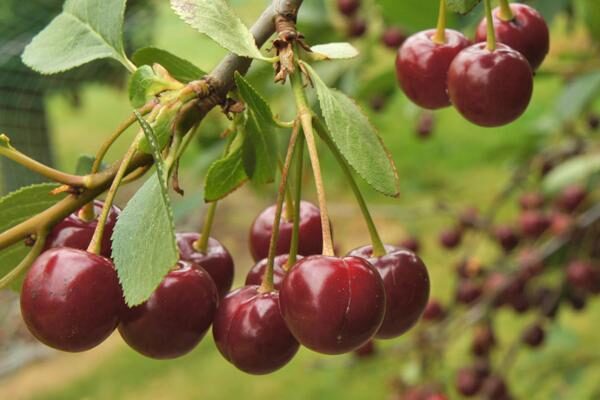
column 406, row 283
column 310, row 238
column 527, row 32
column 490, row 88
column 422, row 67
column 76, row 233
column 250, row 332
column 256, row 273
column 217, row 260
column 333, row 305
column 393, row 37
column 175, row 317
column 70, row 299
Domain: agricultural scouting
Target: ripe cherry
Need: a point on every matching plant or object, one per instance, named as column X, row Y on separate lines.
column 451, row 238
column 256, row 273
column 434, row 311
column 310, row 237
column 534, row 223
column 425, row 124
column 70, row 299
column 561, row 223
column 393, row 37
column 333, row 305
column 490, row 88
column 348, row 7
column 467, row 291
column 582, row 275
column 494, row 388
column 406, row 284
column 367, row 350
column 527, row 32
column 216, row 260
column 77, row 233
column 250, row 332
column 534, row 335
column 531, row 200
column 507, row 237
column 411, row 243
column 571, row 198
column 357, row 27
column 422, row 66
column 483, row 340
column 175, row 317
column 468, row 382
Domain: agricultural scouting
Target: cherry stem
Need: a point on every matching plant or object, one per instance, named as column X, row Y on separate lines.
column 201, row 245
column 288, row 213
column 293, row 254
column 440, row 33
column 267, row 283
column 491, row 34
column 96, row 242
column 505, row 13
column 305, row 116
column 35, row 251
column 376, row 243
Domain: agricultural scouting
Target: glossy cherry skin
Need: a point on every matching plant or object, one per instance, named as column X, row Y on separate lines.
column 175, row 317
column 422, row 67
column 250, row 332
column 217, row 260
column 527, row 32
column 76, row 233
column 490, row 88
column 70, row 299
column 256, row 273
column 333, row 305
column 406, row 283
column 310, row 238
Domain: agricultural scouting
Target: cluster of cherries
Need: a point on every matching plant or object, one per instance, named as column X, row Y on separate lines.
column 488, row 87
column 71, row 299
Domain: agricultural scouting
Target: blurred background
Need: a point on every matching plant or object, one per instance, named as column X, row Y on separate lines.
column 448, row 168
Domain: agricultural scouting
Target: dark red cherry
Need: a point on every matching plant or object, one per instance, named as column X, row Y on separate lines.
column 467, row 291
column 425, row 124
column 527, row 32
column 533, row 223
column 406, row 285
column 571, row 198
column 348, row 7
column 483, row 340
column 175, row 317
column 451, row 238
column 434, row 311
column 367, row 350
column 76, row 233
column 531, row 200
column 310, row 238
column 494, row 388
column 357, row 27
column 534, row 335
column 506, row 237
column 217, row 260
column 70, row 299
column 393, row 37
column 422, row 67
column 561, row 223
column 490, row 88
column 582, row 275
column 250, row 332
column 411, row 243
column 468, row 382
column 256, row 273
column 333, row 305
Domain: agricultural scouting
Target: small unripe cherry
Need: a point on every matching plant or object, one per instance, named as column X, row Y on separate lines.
column 357, row 27
column 531, row 200
column 534, row 335
column 451, row 238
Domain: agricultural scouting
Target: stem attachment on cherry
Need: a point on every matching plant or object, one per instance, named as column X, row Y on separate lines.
column 491, row 34
column 267, row 283
column 440, row 33
column 505, row 13
column 293, row 253
column 201, row 245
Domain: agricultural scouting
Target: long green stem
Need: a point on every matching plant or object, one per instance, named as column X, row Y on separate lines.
column 27, row 261
column 305, row 116
column 288, row 213
column 505, row 13
column 201, row 244
column 293, row 254
column 267, row 283
column 96, row 242
column 377, row 244
column 491, row 34
column 440, row 33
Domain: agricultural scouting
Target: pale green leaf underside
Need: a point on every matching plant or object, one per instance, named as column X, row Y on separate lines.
column 86, row 30
column 356, row 138
column 334, row 51
column 462, row 6
column 180, row 69
column 217, row 20
column 224, row 176
column 576, row 170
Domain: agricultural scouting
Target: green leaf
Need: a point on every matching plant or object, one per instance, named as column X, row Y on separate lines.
column 86, row 30
column 577, row 96
column 17, row 207
column 260, row 146
column 462, row 6
column 144, row 246
column 576, row 170
column 356, row 138
column 590, row 13
column 145, row 84
column 224, row 176
column 162, row 126
column 334, row 51
column 217, row 20
column 180, row 69
column 85, row 163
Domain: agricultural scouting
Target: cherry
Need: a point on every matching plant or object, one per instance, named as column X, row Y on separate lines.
column 468, row 382
column 367, row 350
column 534, row 336
column 348, row 7
column 77, row 233
column 490, row 88
column 333, row 305
column 531, row 200
column 422, row 66
column 393, row 37
column 507, row 237
column 527, row 32
column 571, row 197
column 577, row 300
column 468, row 292
column 533, row 223
column 406, row 285
column 530, row 263
column 217, row 260
column 70, row 299
column 256, row 273
column 469, row 268
column 483, row 340
column 310, row 236
column 175, row 317
column 357, row 27
column 434, row 311
column 582, row 275
column 451, row 238
column 561, row 223
column 494, row 388
column 250, row 332
column 469, row 218
column 411, row 243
